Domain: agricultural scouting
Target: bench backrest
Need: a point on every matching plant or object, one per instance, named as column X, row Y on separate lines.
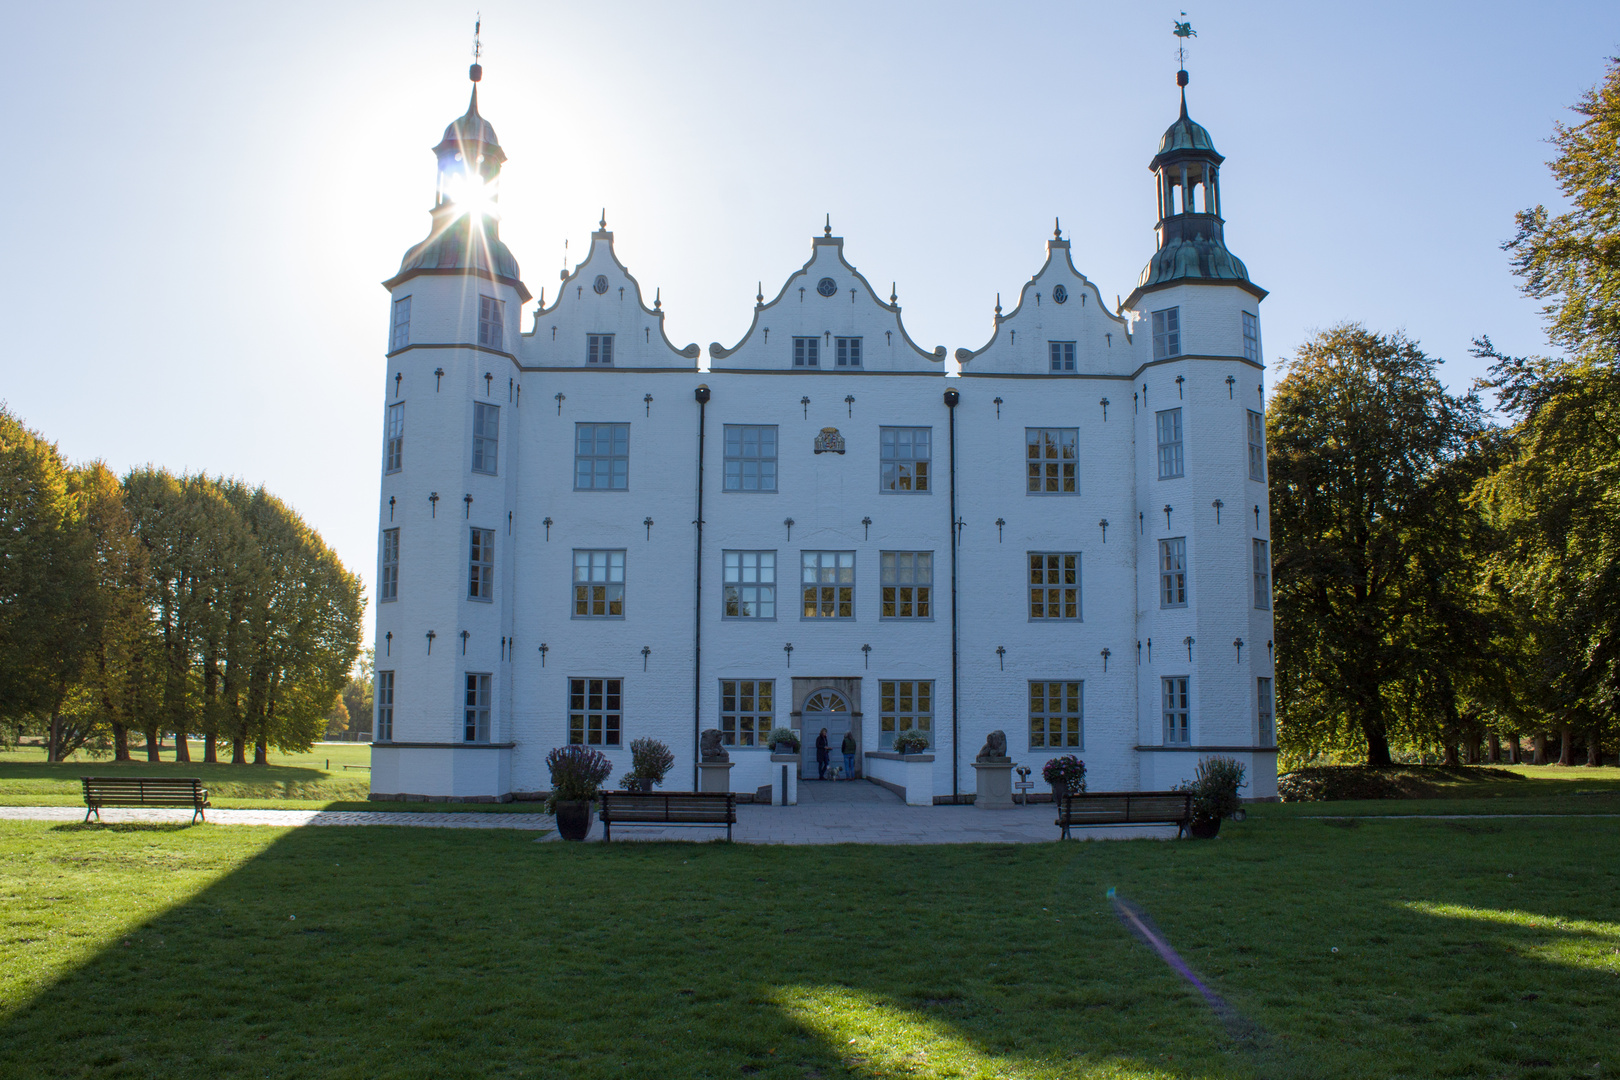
column 1129, row 806
column 668, row 805
column 141, row 786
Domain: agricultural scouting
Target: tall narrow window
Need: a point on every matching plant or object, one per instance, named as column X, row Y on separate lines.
column 750, row 584
column 1251, row 337
column 1166, row 333
column 904, row 706
column 601, row 457
column 1173, row 572
column 806, row 352
column 481, row 565
column 1257, row 446
column 847, row 351
column 1262, row 575
column 383, row 695
column 1176, row 728
column 1056, row 715
column 475, row 717
column 595, row 712
column 829, row 584
column 908, row 584
column 394, row 438
column 486, row 437
column 1054, row 585
column 388, row 584
column 1052, row 458
column 599, row 350
column 1171, row 464
column 1062, row 353
column 905, row 453
column 747, row 711
column 598, row 584
column 401, row 335
column 491, row 322
column 1266, row 718
column 750, row 457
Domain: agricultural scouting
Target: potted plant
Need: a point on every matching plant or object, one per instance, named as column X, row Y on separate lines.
column 911, row 741
column 780, row 737
column 576, row 773
column 1066, row 774
column 650, row 759
column 1215, row 795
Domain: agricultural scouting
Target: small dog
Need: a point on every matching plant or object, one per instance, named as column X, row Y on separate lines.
column 835, row 772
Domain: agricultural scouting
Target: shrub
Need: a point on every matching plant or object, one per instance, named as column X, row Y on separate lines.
column 650, row 759
column 783, row 735
column 911, row 742
column 1067, row 772
column 1215, row 788
column 576, row 773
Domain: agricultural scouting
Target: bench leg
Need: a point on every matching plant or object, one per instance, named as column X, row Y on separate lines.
column 88, row 810
column 197, row 813
column 607, row 832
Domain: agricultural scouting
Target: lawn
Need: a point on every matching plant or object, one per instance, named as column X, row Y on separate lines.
column 1367, row 949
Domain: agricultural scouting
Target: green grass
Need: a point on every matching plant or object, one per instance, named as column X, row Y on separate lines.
column 1494, row 789
column 1467, row 949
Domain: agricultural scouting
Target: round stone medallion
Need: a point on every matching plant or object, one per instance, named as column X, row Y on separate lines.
column 1060, row 294
column 826, row 286
column 600, row 285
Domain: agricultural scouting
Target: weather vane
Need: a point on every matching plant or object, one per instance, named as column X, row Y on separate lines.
column 1183, row 31
column 476, row 71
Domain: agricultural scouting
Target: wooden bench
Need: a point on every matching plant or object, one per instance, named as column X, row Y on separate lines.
column 659, row 808
column 1126, row 808
column 102, row 791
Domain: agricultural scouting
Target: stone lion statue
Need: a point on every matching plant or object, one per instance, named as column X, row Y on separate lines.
column 995, row 747
column 709, row 743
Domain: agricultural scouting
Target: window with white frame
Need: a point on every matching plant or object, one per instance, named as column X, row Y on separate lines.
column 1062, row 353
column 904, row 454
column 388, row 583
column 599, row 350
column 908, row 584
column 1176, row 728
column 394, row 438
column 750, row 463
column 401, row 333
column 383, row 696
column 847, row 352
column 904, row 705
column 1052, row 458
column 1057, row 714
column 1054, row 585
column 1257, row 446
column 1171, row 463
column 747, row 711
column 1166, row 333
column 481, row 565
column 595, row 712
column 1173, row 572
column 750, row 584
column 601, row 457
column 1262, row 575
column 828, row 578
column 1251, row 337
column 1266, row 718
column 486, row 437
column 475, row 715
column 491, row 322
column 598, row 584
column 806, row 352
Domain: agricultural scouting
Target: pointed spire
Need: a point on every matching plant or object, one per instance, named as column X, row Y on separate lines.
column 1057, row 229
column 827, row 229
column 894, row 295
column 998, row 304
column 658, row 298
column 603, row 222
column 759, row 296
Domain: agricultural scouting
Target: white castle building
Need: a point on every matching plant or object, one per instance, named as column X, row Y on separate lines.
column 587, row 537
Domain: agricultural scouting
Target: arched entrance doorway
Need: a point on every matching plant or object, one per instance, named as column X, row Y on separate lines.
column 824, row 708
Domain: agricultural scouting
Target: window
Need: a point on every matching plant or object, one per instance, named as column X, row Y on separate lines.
column 905, row 706
column 1173, row 572
column 1054, row 585
column 908, row 584
column 475, row 718
column 750, row 457
column 598, row 584
column 486, row 436
column 750, row 584
column 1056, row 714
column 481, row 565
column 1171, row 464
column 491, row 321
column 904, row 455
column 806, row 352
column 601, row 457
column 401, row 335
column 1062, row 355
column 599, row 349
column 829, row 584
column 1166, row 333
column 847, row 351
column 1257, row 446
column 1267, row 717
column 1175, row 711
column 394, row 438
column 1053, row 456
column 595, row 716
column 383, row 695
column 388, row 585
column 1251, row 337
column 1262, row 575
column 746, row 711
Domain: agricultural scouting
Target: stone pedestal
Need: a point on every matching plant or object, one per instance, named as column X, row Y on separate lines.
column 993, row 785
column 784, row 793
column 715, row 776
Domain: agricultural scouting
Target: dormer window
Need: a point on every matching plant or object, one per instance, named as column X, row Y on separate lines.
column 491, row 322
column 807, row 351
column 1062, row 355
column 599, row 350
column 848, row 351
column 1166, row 333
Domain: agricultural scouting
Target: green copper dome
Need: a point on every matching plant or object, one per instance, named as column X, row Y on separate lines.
column 1186, row 134
column 1199, row 258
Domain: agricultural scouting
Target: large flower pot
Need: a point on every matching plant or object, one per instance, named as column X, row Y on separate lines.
column 639, row 783
column 1204, row 828
column 573, row 819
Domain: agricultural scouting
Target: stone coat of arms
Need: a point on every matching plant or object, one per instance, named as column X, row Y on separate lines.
column 829, row 441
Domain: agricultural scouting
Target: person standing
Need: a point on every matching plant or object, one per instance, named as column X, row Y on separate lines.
column 823, row 755
column 849, row 755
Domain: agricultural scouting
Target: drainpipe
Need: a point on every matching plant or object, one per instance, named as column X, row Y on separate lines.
column 951, row 398
column 702, row 395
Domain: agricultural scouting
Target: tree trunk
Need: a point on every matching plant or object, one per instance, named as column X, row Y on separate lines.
column 1474, row 755
column 120, row 742
column 238, row 749
column 1494, row 749
column 210, row 750
column 182, row 747
column 1452, row 757
column 1566, row 747
column 1594, row 746
column 1516, row 746
column 53, row 742
column 1538, row 749
column 261, row 751
column 1372, row 727
column 152, row 745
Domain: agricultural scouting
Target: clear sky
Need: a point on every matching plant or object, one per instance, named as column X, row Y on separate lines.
column 203, row 197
